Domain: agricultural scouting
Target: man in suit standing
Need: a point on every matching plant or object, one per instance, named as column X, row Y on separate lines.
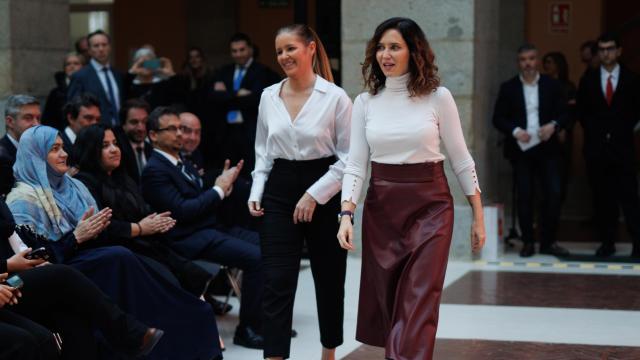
column 131, row 137
column 99, row 78
column 21, row 112
column 82, row 111
column 237, row 91
column 529, row 110
column 609, row 109
column 169, row 184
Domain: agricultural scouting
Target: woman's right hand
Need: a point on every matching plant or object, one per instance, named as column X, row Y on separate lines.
column 7, row 295
column 255, row 209
column 90, row 225
column 156, row 223
column 19, row 262
column 345, row 234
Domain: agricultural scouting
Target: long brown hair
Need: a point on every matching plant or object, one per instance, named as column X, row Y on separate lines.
column 422, row 68
column 321, row 65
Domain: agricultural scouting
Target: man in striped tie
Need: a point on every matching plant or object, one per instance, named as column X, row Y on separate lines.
column 608, row 108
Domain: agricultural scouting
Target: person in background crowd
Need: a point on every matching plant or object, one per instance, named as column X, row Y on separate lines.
column 236, row 95
column 589, row 55
column 608, row 110
column 82, row 111
column 82, row 47
column 53, row 114
column 555, row 66
column 195, row 81
column 529, row 111
column 20, row 113
column 155, row 81
column 132, row 136
column 99, row 78
column 64, row 218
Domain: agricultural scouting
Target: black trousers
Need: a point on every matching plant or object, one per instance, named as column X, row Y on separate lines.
column 62, row 299
column 282, row 242
column 24, row 339
column 538, row 164
column 614, row 187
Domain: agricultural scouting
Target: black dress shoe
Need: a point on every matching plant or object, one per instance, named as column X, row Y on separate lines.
column 555, row 250
column 527, row 250
column 606, row 250
column 219, row 308
column 149, row 341
column 247, row 337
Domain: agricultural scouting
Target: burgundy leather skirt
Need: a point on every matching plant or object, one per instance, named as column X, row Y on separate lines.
column 407, row 229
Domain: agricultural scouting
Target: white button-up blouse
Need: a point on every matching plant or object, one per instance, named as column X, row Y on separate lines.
column 321, row 129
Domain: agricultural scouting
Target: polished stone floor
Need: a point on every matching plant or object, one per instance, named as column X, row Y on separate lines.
column 535, row 309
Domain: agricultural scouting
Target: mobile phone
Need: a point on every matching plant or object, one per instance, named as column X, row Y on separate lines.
column 15, row 282
column 152, row 64
column 40, row 253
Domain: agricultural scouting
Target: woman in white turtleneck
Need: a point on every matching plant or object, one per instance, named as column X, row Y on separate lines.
column 399, row 126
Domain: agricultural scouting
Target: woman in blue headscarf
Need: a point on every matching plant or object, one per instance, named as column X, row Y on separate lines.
column 61, row 210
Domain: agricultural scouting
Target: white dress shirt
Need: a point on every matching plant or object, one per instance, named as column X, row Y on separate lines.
column 174, row 160
column 13, row 141
column 604, row 75
column 321, row 129
column 392, row 127
column 103, row 80
column 70, row 134
column 532, row 105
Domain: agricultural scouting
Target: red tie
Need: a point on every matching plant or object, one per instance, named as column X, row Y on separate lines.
column 609, row 93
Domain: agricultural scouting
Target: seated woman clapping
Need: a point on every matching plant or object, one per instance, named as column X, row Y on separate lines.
column 60, row 210
column 133, row 224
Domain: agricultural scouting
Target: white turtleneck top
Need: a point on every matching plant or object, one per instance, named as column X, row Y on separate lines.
column 393, row 128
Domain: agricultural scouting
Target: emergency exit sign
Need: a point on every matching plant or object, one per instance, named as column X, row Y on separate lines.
column 559, row 17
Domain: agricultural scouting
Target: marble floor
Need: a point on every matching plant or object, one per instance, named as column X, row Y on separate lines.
column 538, row 308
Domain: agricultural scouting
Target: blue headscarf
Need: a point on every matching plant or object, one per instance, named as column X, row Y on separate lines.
column 51, row 202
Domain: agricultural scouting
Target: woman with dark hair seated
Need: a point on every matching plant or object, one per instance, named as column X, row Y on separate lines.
column 133, row 224
column 60, row 211
column 62, row 299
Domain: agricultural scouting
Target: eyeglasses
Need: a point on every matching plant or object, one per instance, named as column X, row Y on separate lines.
column 607, row 49
column 171, row 129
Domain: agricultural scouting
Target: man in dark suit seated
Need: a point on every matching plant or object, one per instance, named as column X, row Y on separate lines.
column 99, row 78
column 168, row 184
column 236, row 96
column 81, row 112
column 21, row 112
column 609, row 109
column 529, row 110
column 132, row 135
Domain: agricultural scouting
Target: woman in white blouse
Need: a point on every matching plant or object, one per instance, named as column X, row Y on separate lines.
column 302, row 142
column 408, row 213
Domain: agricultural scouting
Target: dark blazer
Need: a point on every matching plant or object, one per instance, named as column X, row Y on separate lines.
column 128, row 160
column 7, row 159
column 165, row 188
column 510, row 111
column 53, row 114
column 257, row 77
column 86, row 80
column 608, row 130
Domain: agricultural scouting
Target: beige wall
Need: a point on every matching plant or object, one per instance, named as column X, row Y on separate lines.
column 585, row 23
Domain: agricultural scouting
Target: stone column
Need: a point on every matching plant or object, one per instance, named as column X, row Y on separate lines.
column 465, row 36
column 34, row 36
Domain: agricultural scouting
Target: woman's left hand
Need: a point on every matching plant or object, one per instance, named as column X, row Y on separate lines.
column 304, row 209
column 478, row 235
